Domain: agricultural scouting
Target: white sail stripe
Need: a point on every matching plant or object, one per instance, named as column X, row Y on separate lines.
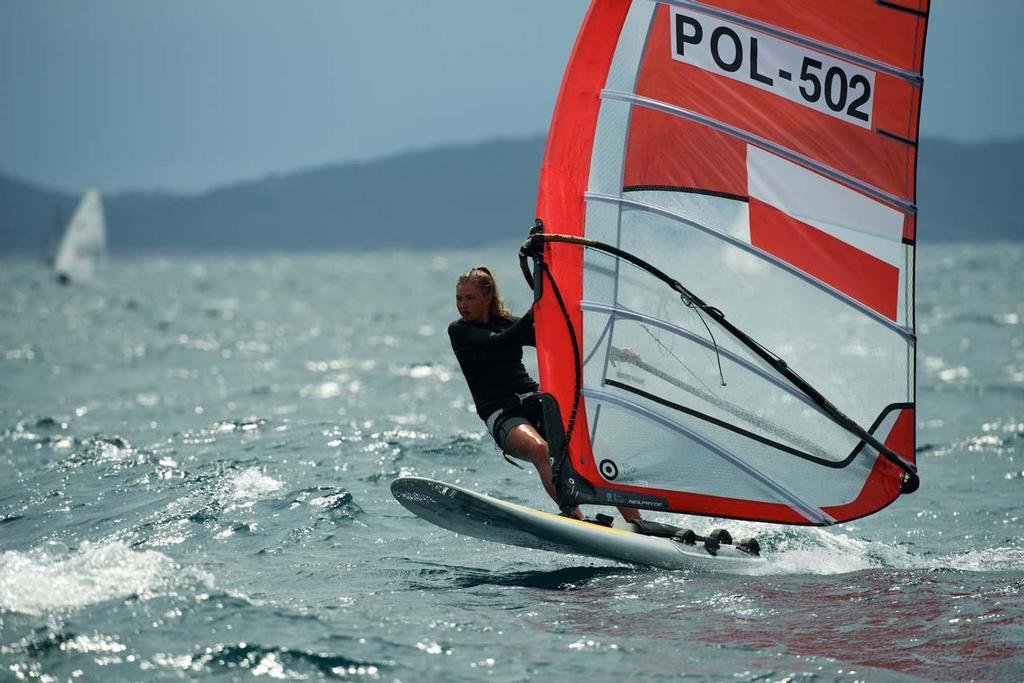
column 800, row 39
column 629, row 51
column 904, row 205
column 618, row 311
column 775, row 261
column 862, row 222
column 806, row 510
column 607, row 165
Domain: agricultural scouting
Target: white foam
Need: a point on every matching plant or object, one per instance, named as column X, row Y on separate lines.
column 829, row 551
column 984, row 560
column 806, row 550
column 816, row 551
column 252, row 484
column 49, row 578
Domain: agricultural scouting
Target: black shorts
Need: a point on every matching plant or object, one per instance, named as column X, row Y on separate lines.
column 528, row 411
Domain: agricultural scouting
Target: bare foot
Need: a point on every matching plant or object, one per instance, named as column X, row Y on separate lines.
column 576, row 513
column 630, row 514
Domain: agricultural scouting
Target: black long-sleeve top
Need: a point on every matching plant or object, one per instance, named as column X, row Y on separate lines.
column 491, row 357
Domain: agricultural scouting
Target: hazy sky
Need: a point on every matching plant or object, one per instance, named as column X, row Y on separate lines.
column 186, row 94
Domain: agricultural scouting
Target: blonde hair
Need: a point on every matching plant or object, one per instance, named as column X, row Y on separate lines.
column 482, row 277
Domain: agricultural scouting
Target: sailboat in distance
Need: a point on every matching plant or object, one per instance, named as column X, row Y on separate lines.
column 84, row 240
column 723, row 271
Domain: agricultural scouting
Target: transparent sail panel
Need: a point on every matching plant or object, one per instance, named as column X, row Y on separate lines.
column 652, row 447
column 857, row 362
column 652, row 346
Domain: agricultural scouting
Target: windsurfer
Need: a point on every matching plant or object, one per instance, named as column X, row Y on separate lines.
column 488, row 342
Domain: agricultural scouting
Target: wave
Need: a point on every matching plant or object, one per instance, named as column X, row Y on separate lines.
column 275, row 662
column 50, row 578
column 821, row 551
column 433, row 576
column 827, row 551
column 251, row 484
column 222, row 489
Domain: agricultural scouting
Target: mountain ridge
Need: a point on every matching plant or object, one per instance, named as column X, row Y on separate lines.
column 454, row 195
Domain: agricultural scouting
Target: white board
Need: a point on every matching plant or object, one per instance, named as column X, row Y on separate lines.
column 481, row 516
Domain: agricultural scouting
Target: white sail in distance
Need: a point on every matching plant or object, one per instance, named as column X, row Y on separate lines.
column 84, row 241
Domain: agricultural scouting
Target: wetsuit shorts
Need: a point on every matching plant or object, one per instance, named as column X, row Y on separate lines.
column 528, row 411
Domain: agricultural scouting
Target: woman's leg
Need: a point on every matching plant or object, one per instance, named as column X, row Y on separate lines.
column 525, row 443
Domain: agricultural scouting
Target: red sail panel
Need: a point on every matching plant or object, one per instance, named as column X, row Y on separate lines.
column 866, row 278
column 877, row 158
column 871, row 29
column 883, row 483
column 665, row 150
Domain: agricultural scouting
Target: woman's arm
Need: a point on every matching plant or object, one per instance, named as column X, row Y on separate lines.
column 465, row 336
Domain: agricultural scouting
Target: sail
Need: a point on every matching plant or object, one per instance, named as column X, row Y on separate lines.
column 761, row 157
column 84, row 241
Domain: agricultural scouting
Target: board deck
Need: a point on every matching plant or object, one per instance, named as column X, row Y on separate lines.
column 474, row 514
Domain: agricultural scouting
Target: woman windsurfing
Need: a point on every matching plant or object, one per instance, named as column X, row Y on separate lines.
column 488, row 342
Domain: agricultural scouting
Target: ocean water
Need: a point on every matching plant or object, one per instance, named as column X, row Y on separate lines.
column 195, row 454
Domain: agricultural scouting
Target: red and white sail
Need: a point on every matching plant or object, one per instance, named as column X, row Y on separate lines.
column 764, row 155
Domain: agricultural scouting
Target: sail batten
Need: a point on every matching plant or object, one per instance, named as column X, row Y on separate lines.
column 763, row 255
column 730, row 192
column 898, row 202
column 785, row 496
column 621, row 313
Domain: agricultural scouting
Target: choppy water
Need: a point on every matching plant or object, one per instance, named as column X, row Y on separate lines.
column 195, row 455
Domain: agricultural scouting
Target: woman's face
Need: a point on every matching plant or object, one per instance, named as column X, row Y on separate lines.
column 472, row 303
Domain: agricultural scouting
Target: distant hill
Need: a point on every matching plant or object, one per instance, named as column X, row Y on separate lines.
column 451, row 196
column 968, row 192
